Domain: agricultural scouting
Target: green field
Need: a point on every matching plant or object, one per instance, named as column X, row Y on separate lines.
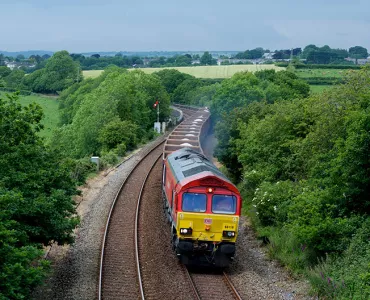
column 201, row 71
column 50, row 108
column 322, row 79
column 315, row 89
column 306, row 73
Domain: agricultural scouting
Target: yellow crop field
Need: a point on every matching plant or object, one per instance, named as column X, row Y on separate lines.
column 201, row 71
column 91, row 73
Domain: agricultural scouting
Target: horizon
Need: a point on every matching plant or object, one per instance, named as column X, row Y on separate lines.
column 160, row 51
column 81, row 25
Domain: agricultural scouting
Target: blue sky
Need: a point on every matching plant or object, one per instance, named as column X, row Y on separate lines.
column 81, row 25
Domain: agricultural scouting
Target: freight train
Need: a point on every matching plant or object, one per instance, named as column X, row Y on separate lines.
column 202, row 206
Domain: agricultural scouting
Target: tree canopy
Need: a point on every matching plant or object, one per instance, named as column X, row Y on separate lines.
column 36, row 206
column 59, row 73
column 207, row 59
column 303, row 166
column 89, row 106
column 358, row 52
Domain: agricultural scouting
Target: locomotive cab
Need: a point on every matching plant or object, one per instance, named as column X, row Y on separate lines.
column 207, row 219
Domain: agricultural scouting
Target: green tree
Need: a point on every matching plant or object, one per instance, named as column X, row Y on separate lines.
column 238, row 91
column 4, row 71
column 183, row 60
column 179, row 95
column 59, row 73
column 251, row 54
column 119, row 132
column 20, row 57
column 358, row 52
column 207, row 59
column 14, row 79
column 171, row 79
column 128, row 96
column 36, row 206
column 308, row 49
column 202, row 96
column 2, row 60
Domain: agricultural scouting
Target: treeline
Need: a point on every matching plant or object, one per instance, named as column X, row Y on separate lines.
column 58, row 73
column 302, row 164
column 97, row 62
column 36, row 207
column 327, row 55
column 109, row 115
column 311, row 54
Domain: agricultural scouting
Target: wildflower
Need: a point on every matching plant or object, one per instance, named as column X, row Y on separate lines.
column 322, row 275
column 278, row 182
column 254, row 199
column 268, row 200
column 257, row 213
column 254, row 205
column 265, row 194
column 329, row 280
column 275, row 207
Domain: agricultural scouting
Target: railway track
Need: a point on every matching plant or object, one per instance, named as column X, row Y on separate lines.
column 135, row 264
column 211, row 285
column 119, row 271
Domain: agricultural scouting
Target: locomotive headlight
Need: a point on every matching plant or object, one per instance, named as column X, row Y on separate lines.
column 228, row 234
column 186, row 230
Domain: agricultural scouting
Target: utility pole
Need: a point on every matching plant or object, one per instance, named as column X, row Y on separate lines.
column 158, row 112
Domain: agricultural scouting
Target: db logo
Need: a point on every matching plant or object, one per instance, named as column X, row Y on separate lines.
column 208, row 221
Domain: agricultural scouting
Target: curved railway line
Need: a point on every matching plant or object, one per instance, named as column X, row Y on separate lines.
column 118, row 268
column 129, row 257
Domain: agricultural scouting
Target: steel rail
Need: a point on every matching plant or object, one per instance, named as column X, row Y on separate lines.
column 195, row 291
column 227, row 281
column 231, row 286
column 109, row 217
column 136, row 228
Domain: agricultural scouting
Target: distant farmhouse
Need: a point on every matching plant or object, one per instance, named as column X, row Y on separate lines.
column 16, row 65
column 360, row 61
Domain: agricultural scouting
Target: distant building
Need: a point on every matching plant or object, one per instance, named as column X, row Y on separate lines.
column 268, row 55
column 16, row 65
column 11, row 65
column 360, row 61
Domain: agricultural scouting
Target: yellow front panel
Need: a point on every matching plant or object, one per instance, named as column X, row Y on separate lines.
column 215, row 223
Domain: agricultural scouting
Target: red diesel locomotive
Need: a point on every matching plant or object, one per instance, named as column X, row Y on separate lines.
column 203, row 208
